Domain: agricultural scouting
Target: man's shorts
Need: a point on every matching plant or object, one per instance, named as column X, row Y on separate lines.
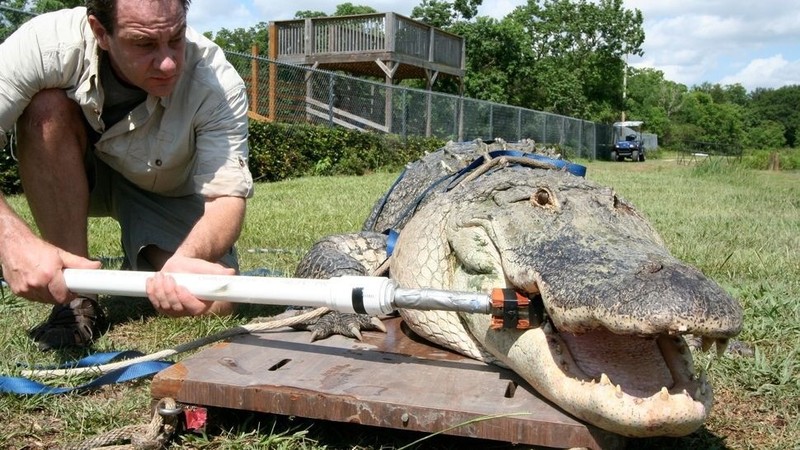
column 145, row 218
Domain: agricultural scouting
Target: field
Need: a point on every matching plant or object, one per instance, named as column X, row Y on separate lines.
column 740, row 227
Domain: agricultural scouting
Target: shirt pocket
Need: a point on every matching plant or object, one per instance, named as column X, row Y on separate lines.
column 171, row 161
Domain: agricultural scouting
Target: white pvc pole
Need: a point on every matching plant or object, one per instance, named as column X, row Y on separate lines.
column 370, row 295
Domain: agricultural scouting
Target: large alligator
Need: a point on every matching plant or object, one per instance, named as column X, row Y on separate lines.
column 609, row 348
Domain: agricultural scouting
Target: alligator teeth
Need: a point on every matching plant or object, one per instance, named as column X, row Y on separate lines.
column 698, row 393
column 664, row 394
column 604, row 380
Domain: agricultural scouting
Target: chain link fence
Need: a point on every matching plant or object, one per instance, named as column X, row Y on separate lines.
column 293, row 94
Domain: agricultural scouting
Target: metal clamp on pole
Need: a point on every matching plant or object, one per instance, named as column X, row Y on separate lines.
column 512, row 310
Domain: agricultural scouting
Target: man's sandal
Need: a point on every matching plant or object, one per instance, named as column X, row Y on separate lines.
column 74, row 325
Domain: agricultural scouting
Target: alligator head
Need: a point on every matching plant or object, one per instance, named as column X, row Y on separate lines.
column 610, row 349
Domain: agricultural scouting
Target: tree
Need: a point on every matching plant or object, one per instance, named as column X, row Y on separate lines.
column 778, row 105
column 308, row 14
column 713, row 122
column 349, row 9
column 586, row 42
column 242, row 40
column 495, row 55
column 436, row 13
column 343, row 9
column 734, row 93
column 769, row 134
column 442, row 14
column 654, row 100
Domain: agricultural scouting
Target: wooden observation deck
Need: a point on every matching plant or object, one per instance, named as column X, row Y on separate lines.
column 384, row 45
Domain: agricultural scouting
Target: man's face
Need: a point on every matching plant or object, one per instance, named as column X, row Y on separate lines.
column 147, row 47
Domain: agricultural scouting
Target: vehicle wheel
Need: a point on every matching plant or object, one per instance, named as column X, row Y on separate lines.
column 641, row 158
column 635, row 156
column 614, row 156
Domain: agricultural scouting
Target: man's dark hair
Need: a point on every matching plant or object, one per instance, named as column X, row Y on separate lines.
column 105, row 11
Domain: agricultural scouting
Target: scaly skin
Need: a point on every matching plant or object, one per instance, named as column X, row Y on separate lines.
column 611, row 351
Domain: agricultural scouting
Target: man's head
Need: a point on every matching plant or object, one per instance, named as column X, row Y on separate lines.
column 145, row 40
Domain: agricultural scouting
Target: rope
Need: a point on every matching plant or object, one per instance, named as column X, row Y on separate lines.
column 502, row 161
column 151, row 436
column 225, row 334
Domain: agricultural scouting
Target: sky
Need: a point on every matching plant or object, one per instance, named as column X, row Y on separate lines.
column 752, row 43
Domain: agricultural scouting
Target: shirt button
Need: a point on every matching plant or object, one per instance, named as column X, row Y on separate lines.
column 158, row 162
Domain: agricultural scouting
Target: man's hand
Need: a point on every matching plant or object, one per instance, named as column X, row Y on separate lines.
column 34, row 268
column 173, row 300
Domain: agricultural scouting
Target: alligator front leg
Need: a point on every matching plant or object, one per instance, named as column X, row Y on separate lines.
column 345, row 324
column 346, row 254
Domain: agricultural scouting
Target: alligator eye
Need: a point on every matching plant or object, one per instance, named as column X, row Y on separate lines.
column 542, row 198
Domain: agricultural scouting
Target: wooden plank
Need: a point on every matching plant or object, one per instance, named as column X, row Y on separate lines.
column 391, row 380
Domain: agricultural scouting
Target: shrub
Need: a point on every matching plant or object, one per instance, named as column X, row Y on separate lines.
column 279, row 151
column 759, row 159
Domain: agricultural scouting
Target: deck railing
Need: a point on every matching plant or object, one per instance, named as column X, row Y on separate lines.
column 363, row 36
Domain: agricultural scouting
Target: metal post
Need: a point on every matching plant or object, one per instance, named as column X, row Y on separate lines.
column 491, row 121
column 331, row 97
column 405, row 113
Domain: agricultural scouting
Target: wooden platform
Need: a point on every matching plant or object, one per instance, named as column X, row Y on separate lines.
column 392, row 380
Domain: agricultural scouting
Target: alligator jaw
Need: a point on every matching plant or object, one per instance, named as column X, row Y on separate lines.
column 609, row 395
column 653, row 390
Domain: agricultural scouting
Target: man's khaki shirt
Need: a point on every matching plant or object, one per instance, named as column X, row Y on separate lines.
column 193, row 141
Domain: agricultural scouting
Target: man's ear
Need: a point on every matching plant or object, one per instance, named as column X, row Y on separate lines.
column 99, row 32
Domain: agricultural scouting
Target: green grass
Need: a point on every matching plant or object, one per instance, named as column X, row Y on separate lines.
column 740, row 227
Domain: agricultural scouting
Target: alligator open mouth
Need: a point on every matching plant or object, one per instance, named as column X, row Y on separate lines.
column 630, row 384
column 663, row 362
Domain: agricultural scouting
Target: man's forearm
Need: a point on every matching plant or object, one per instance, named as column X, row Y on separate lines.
column 216, row 231
column 12, row 228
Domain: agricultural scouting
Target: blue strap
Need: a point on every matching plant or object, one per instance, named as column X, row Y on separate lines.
column 391, row 240
column 25, row 386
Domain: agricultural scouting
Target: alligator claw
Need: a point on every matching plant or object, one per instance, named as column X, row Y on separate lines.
column 378, row 324
column 348, row 325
